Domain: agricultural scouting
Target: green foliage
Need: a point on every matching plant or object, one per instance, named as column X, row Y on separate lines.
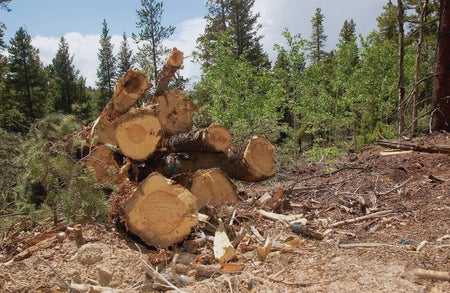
column 9, row 152
column 24, row 98
column 152, row 34
column 53, row 180
column 318, row 38
column 124, row 58
column 235, row 19
column 241, row 97
column 106, row 71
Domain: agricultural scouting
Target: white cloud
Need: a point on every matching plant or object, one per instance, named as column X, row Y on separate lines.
column 85, row 48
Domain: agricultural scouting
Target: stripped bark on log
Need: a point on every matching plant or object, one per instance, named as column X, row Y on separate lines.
column 215, row 138
column 251, row 162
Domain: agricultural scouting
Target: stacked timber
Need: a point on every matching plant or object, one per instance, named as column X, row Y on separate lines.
column 167, row 171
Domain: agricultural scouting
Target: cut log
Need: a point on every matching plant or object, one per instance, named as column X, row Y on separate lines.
column 158, row 211
column 126, row 93
column 215, row 138
column 173, row 62
column 251, row 162
column 106, row 170
column 174, row 112
column 138, row 133
column 212, row 187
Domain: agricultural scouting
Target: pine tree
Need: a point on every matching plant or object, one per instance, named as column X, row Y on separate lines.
column 106, row 69
column 3, row 6
column 124, row 59
column 387, row 23
column 348, row 32
column 318, row 38
column 234, row 18
column 152, row 34
column 25, row 99
column 65, row 81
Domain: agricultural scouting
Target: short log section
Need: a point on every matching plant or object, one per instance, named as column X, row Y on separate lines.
column 159, row 212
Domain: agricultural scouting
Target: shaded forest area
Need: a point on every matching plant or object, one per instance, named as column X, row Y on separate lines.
column 322, row 111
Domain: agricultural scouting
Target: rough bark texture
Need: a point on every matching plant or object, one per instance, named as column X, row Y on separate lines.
column 173, row 62
column 441, row 98
column 252, row 162
column 215, row 138
column 158, row 211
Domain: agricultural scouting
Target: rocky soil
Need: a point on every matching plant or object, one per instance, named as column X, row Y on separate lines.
column 372, row 221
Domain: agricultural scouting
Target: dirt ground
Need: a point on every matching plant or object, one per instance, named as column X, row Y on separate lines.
column 373, row 220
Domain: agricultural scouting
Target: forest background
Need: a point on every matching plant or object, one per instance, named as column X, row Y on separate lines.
column 309, row 102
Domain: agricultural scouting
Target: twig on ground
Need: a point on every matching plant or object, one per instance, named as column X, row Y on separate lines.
column 430, row 274
column 393, row 189
column 360, row 219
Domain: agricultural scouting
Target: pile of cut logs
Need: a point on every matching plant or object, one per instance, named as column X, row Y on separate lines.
column 166, row 171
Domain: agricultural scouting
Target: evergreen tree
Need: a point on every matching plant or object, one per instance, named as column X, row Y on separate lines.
column 124, row 59
column 25, row 99
column 235, row 18
column 106, row 70
column 152, row 34
column 348, row 32
column 65, row 81
column 4, row 6
column 318, row 38
column 387, row 23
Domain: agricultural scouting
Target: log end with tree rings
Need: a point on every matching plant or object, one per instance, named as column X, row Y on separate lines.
column 138, row 134
column 212, row 187
column 258, row 156
column 160, row 212
column 218, row 137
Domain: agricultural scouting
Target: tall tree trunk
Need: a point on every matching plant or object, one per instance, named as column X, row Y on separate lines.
column 401, row 70
column 441, row 98
column 417, row 74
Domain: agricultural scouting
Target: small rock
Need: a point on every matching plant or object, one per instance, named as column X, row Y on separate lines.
column 90, row 253
column 104, row 275
column 75, row 276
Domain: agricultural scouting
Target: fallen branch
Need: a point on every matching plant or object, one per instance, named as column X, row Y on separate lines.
column 415, row 147
column 360, row 219
column 394, row 188
column 430, row 274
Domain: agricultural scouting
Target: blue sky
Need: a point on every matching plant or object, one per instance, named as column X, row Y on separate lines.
column 80, row 22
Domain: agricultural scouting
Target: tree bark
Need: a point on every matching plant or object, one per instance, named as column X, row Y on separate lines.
column 215, row 138
column 173, row 62
column 441, row 98
column 251, row 162
column 158, row 211
column 401, row 69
